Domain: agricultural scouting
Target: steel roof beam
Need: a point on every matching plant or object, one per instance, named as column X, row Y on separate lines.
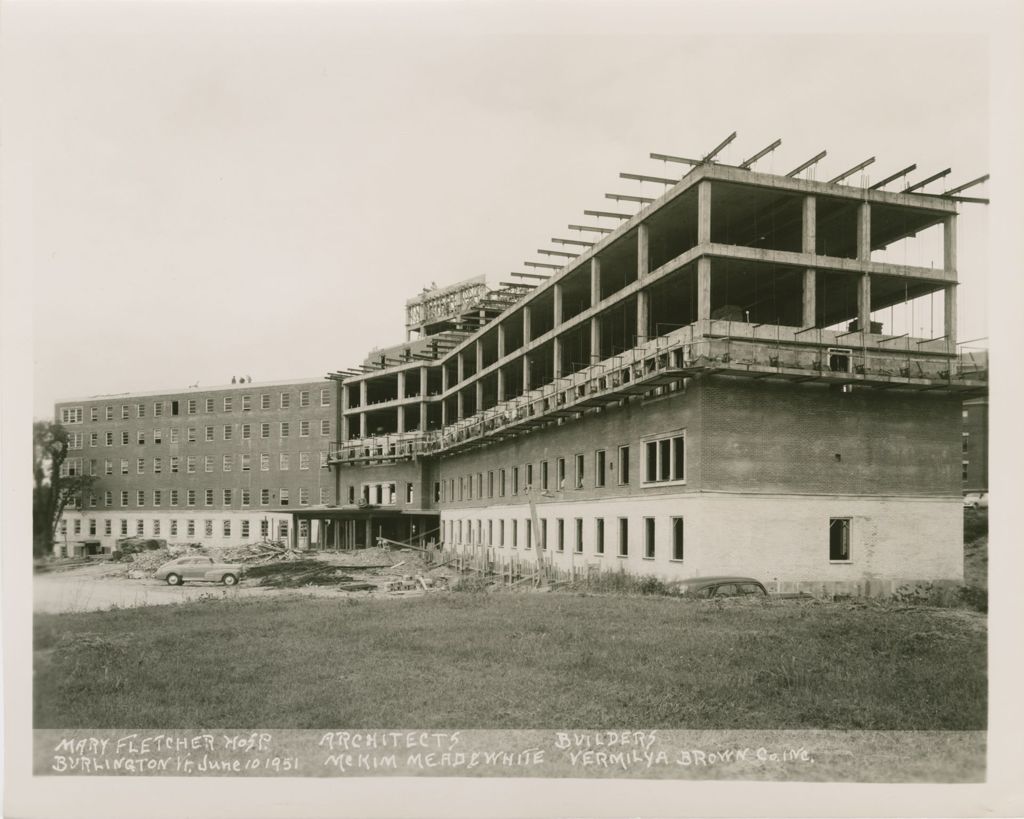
column 590, row 228
column 572, row 242
column 639, row 177
column 837, row 179
column 746, row 163
column 924, row 182
column 807, row 164
column 608, row 213
column 682, row 159
column 621, row 197
column 719, row 148
column 896, row 175
column 967, row 185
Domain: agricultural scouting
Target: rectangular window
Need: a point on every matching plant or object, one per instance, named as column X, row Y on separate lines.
column 528, row 529
column 156, row 527
column 246, row 432
column 174, row 528
column 158, row 436
column 124, row 466
column 529, row 477
column 246, row 497
column 579, row 472
column 325, row 398
column 228, row 431
column 501, row 533
column 264, row 497
column 599, row 536
column 325, row 427
column 174, row 497
column 284, row 497
column 191, row 407
column 599, row 468
column 124, row 412
column 140, row 410
column 174, row 463
column 966, row 437
column 490, row 484
column 264, row 462
column 72, row 415
column 323, row 495
column 108, row 498
column 515, row 535
column 191, row 435
column 94, row 413
column 158, row 466
column 139, row 525
column 286, row 400
column 190, row 528
column 227, row 528
column 109, row 438
column 140, row 437
column 158, row 409
column 303, row 496
column 245, row 527
column 124, row 526
column 623, row 537
column 303, row 398
column 246, row 403
column 78, row 526
column 244, row 459
column 108, row 413
column 140, row 497
column 544, row 534
column 227, row 497
column 190, row 464
column 208, row 527
column 578, row 541
column 665, row 459
column 209, row 405
column 124, row 438
column 501, row 483
column 677, row 538
column 303, row 460
column 964, row 470
column 515, row 480
column 228, row 403
column 839, row 540
column 157, row 497
column 649, row 534
column 208, row 497
column 265, row 401
column 94, row 439
column 284, row 461
column 623, row 465
column 174, row 435
column 226, row 462
column 285, row 428
column 190, row 497
column 264, row 528
column 174, row 408
column 209, row 433
column 544, row 476
column 107, row 526
column 140, row 466
column 264, row 430
column 208, row 463
column 303, row 429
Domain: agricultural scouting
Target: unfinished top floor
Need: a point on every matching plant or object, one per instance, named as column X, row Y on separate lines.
column 725, row 253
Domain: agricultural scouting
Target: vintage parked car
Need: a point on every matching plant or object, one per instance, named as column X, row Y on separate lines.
column 197, row 567
column 718, row 587
column 976, row 500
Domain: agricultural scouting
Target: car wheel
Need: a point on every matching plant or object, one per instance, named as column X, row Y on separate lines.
column 229, row 580
column 174, row 580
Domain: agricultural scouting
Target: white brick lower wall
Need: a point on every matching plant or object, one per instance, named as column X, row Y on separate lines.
column 781, row 540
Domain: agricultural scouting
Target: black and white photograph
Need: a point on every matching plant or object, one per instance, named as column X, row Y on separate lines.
column 510, row 409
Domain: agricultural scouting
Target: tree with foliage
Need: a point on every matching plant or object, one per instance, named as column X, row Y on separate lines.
column 53, row 489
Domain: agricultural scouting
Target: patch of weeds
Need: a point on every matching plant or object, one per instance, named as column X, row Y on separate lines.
column 974, row 598
column 472, row 584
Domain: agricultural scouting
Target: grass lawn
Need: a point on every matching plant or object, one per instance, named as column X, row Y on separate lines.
column 511, row 661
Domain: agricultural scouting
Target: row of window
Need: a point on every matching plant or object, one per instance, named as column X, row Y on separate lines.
column 75, row 415
column 472, row 533
column 156, row 528
column 74, row 466
column 76, row 440
column 190, row 496
column 664, row 461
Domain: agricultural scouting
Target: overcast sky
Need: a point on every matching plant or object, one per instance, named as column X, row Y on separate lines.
column 229, row 189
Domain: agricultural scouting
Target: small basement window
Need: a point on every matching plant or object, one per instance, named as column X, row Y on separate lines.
column 839, row 540
column 839, row 359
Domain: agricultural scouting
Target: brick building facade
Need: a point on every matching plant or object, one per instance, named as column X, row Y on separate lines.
column 218, row 465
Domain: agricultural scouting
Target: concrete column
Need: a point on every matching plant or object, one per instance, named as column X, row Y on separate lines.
column 643, row 319
column 949, row 243
column 501, row 340
column 343, row 418
column 479, row 356
column 810, row 225
column 595, row 280
column 460, row 410
column 556, row 346
column 362, row 425
column 810, row 298
column 362, row 394
column 864, row 303
column 526, row 325
column 595, row 339
column 501, row 384
column 444, row 412
column 949, row 322
column 344, row 431
column 526, row 373
column 423, row 382
column 401, row 383
column 368, row 532
column 479, row 395
column 444, row 379
column 703, row 288
column 864, row 232
column 460, row 362
column 643, row 250
column 557, row 297
column 401, row 420
column 423, row 416
column 703, row 212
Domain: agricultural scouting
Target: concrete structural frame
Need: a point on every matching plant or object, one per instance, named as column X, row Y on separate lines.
column 706, row 388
